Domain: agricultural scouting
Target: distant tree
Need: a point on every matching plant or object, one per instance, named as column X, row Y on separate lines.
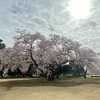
column 2, row 45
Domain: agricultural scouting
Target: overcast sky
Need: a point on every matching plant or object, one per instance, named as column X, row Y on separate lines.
column 78, row 21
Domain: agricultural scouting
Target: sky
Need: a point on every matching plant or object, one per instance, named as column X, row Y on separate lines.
column 76, row 19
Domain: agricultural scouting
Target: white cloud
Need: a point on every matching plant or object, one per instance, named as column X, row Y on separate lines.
column 48, row 16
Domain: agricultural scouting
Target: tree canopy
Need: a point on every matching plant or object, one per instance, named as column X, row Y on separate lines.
column 51, row 55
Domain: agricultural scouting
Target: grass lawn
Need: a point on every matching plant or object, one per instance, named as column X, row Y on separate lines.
column 41, row 89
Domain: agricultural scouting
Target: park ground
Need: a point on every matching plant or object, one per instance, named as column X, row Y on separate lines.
column 41, row 89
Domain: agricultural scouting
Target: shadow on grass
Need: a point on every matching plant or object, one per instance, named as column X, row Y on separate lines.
column 33, row 82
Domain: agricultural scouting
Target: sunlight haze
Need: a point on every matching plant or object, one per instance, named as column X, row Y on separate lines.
column 79, row 9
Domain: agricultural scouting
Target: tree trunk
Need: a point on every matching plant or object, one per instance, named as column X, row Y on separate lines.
column 51, row 77
column 85, row 74
column 85, row 71
column 57, row 76
column 31, row 55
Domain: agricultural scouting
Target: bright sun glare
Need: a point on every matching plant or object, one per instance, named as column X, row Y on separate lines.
column 79, row 9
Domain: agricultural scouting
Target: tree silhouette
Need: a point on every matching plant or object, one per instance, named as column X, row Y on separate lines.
column 2, row 45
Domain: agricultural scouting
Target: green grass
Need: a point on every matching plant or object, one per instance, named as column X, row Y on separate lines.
column 41, row 89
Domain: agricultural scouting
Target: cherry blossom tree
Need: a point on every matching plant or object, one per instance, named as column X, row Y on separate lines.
column 47, row 53
column 87, row 59
column 28, row 42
